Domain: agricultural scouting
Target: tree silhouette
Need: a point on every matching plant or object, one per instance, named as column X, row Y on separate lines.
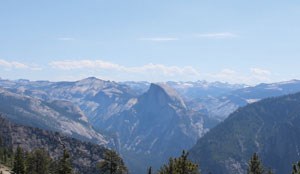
column 255, row 165
column 112, row 163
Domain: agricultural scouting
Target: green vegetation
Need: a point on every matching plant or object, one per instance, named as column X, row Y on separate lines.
column 38, row 162
column 112, row 163
column 64, row 166
column 6, row 154
column 19, row 162
column 181, row 165
column 255, row 165
column 35, row 162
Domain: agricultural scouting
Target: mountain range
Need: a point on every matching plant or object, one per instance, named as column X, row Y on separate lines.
column 147, row 123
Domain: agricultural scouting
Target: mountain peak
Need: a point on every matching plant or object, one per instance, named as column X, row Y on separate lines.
column 164, row 94
column 91, row 79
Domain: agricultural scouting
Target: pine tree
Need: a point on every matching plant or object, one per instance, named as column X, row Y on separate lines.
column 19, row 164
column 1, row 150
column 181, row 165
column 168, row 168
column 53, row 167
column 38, row 162
column 296, row 168
column 255, row 165
column 112, row 163
column 5, row 155
column 64, row 166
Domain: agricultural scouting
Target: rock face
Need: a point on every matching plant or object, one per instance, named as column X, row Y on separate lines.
column 60, row 116
column 269, row 127
column 98, row 99
column 84, row 155
column 158, row 126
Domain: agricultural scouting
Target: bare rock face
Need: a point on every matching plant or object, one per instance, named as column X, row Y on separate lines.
column 57, row 115
column 156, row 127
column 84, row 155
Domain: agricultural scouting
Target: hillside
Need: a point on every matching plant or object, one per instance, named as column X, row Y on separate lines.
column 57, row 115
column 84, row 155
column 269, row 127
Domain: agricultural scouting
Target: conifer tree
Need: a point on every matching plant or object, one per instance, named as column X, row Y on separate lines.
column 37, row 162
column 181, row 165
column 168, row 168
column 19, row 163
column 112, row 163
column 5, row 155
column 1, row 151
column 64, row 166
column 255, row 165
column 53, row 167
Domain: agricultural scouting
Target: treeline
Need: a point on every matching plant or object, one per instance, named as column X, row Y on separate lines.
column 35, row 162
column 180, row 165
column 183, row 165
column 255, row 166
column 39, row 161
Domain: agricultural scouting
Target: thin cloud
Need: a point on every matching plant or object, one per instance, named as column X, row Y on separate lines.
column 12, row 64
column 160, row 72
column 144, row 70
column 17, row 65
column 159, row 39
column 222, row 35
column 82, row 64
column 259, row 71
column 253, row 76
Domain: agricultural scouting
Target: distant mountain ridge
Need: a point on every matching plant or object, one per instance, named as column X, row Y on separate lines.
column 221, row 106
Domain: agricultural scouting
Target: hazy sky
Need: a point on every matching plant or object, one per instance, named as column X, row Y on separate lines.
column 236, row 41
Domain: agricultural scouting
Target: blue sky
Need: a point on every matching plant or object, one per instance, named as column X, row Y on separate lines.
column 155, row 40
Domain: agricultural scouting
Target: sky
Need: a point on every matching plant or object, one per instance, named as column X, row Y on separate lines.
column 233, row 41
